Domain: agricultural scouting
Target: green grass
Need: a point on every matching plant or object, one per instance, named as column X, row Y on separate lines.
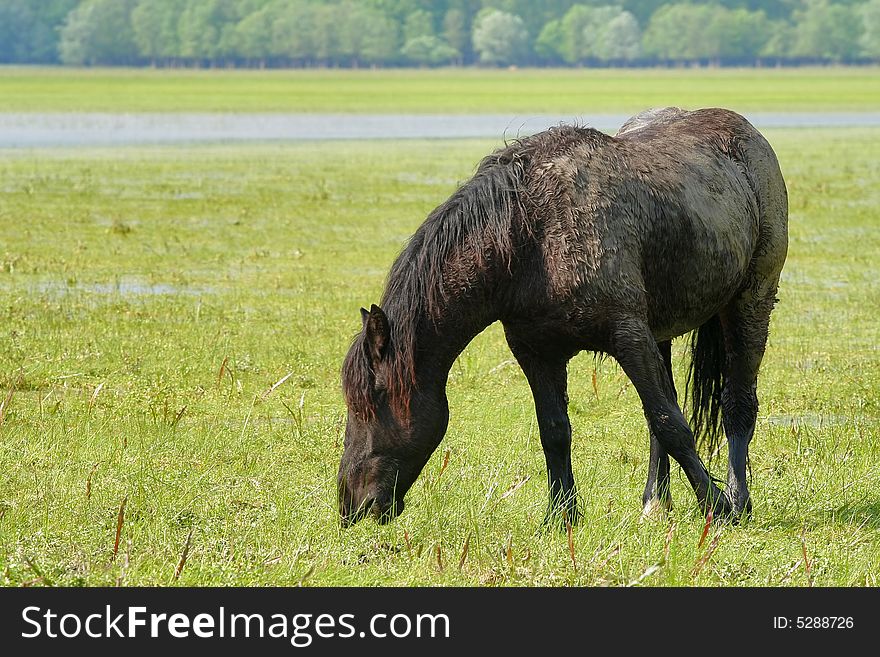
column 573, row 91
column 152, row 297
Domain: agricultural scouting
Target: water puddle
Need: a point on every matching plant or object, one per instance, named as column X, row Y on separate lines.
column 129, row 286
column 35, row 129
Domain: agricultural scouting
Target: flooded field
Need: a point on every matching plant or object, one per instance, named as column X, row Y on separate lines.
column 34, row 130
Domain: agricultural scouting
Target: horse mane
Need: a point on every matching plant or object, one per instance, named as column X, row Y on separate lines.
column 358, row 380
column 478, row 223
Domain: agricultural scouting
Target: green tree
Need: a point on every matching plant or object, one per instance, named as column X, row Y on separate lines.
column 595, row 37
column 547, row 45
column 827, row 31
column 500, row 38
column 325, row 35
column 154, row 23
column 253, row 35
column 679, row 32
column 455, row 31
column 398, row 10
column 367, row 35
column 740, row 34
column 870, row 40
column 589, row 32
column 429, row 50
column 207, row 29
column 381, row 36
column 468, row 9
column 643, row 9
column 780, row 39
column 619, row 40
column 29, row 30
column 573, row 26
column 419, row 23
column 535, row 14
column 98, row 32
column 293, row 31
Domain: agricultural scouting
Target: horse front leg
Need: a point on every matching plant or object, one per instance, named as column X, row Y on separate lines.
column 548, row 379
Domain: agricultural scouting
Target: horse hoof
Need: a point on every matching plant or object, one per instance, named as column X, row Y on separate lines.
column 561, row 518
column 741, row 512
column 655, row 509
column 731, row 511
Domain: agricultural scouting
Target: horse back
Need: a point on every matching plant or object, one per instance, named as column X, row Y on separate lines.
column 667, row 220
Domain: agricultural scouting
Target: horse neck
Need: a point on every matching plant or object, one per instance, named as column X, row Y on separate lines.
column 461, row 324
column 441, row 290
column 439, row 336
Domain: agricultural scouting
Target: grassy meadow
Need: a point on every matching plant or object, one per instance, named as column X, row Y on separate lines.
column 173, row 321
column 446, row 91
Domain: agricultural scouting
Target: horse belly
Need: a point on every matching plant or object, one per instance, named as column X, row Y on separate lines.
column 696, row 277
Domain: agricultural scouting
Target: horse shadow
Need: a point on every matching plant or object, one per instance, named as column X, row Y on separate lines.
column 863, row 513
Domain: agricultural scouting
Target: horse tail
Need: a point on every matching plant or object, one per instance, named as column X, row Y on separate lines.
column 704, row 384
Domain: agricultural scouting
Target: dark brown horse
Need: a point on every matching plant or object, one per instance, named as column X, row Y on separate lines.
column 576, row 240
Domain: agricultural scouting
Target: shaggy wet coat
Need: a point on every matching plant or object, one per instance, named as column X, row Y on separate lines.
column 577, row 240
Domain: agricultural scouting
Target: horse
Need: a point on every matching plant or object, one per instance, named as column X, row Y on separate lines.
column 576, row 240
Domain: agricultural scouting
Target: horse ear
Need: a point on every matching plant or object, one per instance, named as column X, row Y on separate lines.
column 377, row 332
column 365, row 315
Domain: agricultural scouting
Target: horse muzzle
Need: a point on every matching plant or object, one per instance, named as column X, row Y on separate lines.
column 383, row 512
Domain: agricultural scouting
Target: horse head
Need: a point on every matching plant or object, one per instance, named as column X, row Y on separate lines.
column 391, row 431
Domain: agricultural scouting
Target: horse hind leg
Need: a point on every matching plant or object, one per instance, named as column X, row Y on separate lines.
column 657, row 497
column 744, row 324
column 640, row 357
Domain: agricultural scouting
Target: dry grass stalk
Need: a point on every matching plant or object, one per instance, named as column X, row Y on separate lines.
column 94, row 396
column 40, row 577
column 273, row 560
column 464, row 551
column 614, row 552
column 445, row 464
column 183, row 555
column 222, row 370
column 120, row 520
column 645, row 575
column 408, row 543
column 89, row 482
column 178, row 416
column 514, row 487
column 306, row 575
column 807, row 564
column 126, row 562
column 705, row 529
column 668, row 543
column 4, row 407
column 276, row 385
column 700, row 564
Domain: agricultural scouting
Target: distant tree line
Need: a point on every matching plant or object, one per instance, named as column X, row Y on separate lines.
column 349, row 33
